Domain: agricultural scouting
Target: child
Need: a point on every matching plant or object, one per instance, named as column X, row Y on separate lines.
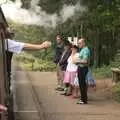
column 71, row 71
column 76, row 88
column 90, row 80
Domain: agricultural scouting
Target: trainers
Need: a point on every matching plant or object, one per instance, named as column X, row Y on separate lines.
column 68, row 94
column 59, row 89
column 81, row 102
column 63, row 93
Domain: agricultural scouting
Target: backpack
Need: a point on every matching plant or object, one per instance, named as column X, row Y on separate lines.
column 91, row 62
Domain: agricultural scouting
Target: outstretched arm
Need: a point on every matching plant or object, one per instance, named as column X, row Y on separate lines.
column 17, row 47
column 28, row 46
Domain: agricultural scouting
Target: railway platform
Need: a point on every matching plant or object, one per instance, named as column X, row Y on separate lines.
column 36, row 99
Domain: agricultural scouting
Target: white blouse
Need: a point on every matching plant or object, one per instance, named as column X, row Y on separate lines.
column 71, row 67
column 14, row 46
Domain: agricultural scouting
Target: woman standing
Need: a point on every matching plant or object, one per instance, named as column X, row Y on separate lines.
column 71, row 71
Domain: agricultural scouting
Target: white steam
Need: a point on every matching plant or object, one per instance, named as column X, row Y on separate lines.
column 69, row 10
column 36, row 16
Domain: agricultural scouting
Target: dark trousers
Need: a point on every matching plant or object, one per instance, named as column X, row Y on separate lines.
column 82, row 72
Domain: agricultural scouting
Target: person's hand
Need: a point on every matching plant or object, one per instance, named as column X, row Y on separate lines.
column 46, row 44
column 3, row 108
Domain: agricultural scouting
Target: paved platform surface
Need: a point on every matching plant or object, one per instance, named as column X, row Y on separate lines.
column 36, row 99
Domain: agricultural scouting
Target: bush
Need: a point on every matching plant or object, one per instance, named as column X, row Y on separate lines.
column 117, row 92
column 29, row 62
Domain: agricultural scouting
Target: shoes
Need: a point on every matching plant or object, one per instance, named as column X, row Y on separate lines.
column 81, row 102
column 63, row 93
column 59, row 89
column 68, row 94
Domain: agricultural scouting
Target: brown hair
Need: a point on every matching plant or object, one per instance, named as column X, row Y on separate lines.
column 76, row 47
column 7, row 32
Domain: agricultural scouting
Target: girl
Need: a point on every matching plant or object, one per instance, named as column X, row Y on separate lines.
column 71, row 71
column 76, row 92
column 90, row 80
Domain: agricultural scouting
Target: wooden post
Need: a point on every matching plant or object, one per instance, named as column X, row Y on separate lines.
column 81, row 29
column 33, row 64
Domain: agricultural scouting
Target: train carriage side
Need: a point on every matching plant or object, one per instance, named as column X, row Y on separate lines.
column 5, row 94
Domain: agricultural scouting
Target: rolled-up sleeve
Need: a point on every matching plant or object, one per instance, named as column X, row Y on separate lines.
column 14, row 46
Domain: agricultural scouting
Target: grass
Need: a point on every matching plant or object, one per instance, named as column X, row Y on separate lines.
column 103, row 72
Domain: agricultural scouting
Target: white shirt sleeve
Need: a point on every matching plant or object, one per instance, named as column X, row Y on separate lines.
column 14, row 46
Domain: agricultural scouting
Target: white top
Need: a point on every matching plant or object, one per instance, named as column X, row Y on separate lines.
column 71, row 67
column 14, row 46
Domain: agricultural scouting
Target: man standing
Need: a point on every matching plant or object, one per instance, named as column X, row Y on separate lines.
column 83, row 63
column 58, row 53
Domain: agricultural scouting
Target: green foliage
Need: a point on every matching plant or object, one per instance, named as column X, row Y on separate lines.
column 40, row 60
column 33, row 34
column 100, row 26
column 117, row 92
column 50, row 6
column 28, row 33
column 29, row 62
column 116, row 62
column 103, row 72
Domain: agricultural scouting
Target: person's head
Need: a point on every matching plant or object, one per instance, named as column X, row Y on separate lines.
column 75, row 49
column 67, row 45
column 8, row 33
column 58, row 39
column 82, row 42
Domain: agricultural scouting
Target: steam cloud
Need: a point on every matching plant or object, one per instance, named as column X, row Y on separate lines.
column 36, row 16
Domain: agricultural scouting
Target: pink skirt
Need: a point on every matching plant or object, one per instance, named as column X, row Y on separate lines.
column 69, row 77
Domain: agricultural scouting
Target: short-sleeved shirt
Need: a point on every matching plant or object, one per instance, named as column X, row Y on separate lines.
column 14, row 46
column 84, row 55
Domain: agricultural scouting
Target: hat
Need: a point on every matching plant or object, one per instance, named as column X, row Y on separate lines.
column 67, row 43
column 74, row 41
